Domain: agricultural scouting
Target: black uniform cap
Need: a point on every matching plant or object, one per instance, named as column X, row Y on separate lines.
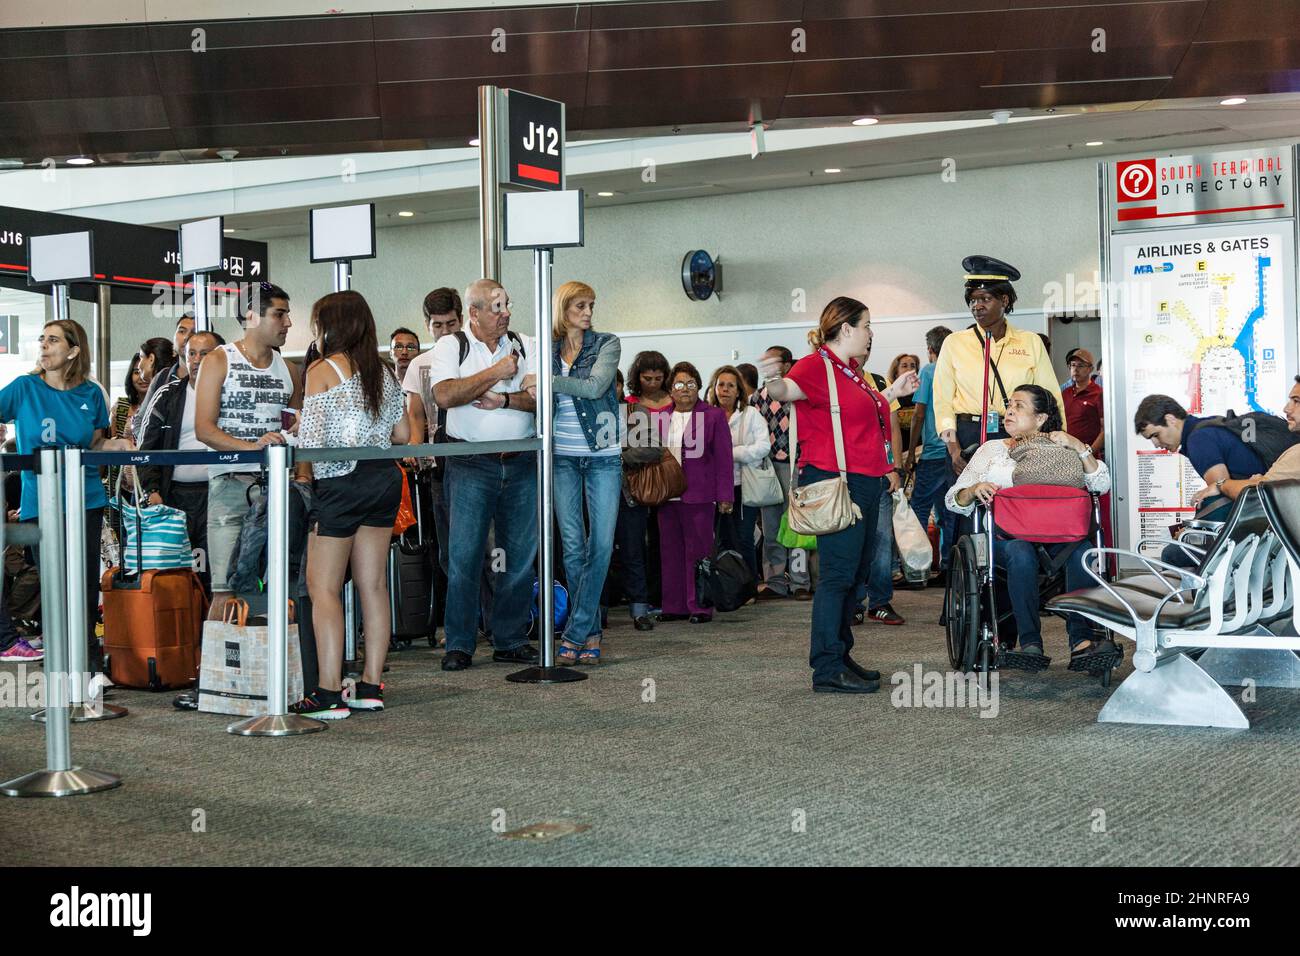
column 982, row 271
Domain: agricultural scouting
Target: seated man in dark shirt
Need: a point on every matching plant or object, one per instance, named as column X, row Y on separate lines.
column 1217, row 454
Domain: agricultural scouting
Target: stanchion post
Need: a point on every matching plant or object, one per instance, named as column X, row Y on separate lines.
column 59, row 778
column 79, row 676
column 547, row 672
column 277, row 722
column 202, row 298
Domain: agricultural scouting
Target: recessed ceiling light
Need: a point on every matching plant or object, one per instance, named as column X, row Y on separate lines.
column 831, row 169
column 1233, row 101
column 1095, row 142
column 406, row 214
column 81, row 161
column 606, row 195
column 10, row 163
column 866, row 121
column 227, row 229
column 474, row 141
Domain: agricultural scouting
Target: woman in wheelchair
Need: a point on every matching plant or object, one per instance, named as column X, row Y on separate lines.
column 1038, row 453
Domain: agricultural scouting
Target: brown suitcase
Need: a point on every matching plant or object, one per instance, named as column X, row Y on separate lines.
column 153, row 627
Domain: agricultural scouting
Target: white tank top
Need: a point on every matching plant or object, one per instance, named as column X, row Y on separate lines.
column 251, row 401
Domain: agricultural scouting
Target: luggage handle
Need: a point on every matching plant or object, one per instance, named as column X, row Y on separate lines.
column 236, row 612
column 123, row 576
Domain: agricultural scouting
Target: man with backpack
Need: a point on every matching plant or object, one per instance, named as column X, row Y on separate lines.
column 478, row 376
column 1285, row 467
column 1220, row 448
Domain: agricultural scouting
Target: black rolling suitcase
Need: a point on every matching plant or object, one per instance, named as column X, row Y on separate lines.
column 411, row 594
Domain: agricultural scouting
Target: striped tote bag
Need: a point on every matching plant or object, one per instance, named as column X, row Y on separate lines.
column 154, row 536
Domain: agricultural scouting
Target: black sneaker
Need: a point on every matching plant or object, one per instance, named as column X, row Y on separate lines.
column 322, row 705
column 367, row 697
column 884, row 614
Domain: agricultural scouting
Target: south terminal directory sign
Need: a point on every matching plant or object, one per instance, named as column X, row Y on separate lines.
column 136, row 259
column 1200, row 264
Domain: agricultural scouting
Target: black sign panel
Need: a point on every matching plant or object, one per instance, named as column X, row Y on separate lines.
column 534, row 154
column 131, row 258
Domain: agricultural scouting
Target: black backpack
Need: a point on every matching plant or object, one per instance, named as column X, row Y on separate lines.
column 724, row 582
column 463, row 339
column 1265, row 435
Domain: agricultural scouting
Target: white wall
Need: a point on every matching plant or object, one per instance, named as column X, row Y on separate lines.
column 895, row 244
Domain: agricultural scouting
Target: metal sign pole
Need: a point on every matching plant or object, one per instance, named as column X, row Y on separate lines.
column 79, row 676
column 489, row 184
column 60, row 778
column 278, row 722
column 547, row 673
column 342, row 276
column 202, row 316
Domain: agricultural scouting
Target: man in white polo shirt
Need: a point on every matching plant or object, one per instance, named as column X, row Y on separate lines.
column 477, row 375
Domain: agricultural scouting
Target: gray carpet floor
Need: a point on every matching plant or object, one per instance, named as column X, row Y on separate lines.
column 734, row 762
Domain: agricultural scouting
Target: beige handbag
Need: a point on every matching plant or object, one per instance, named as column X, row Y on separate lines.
column 823, row 507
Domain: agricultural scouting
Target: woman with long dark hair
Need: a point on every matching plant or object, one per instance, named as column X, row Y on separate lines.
column 352, row 400
column 840, row 342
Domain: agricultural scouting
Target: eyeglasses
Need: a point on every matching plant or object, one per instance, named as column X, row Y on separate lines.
column 685, row 387
column 1078, row 364
column 405, row 348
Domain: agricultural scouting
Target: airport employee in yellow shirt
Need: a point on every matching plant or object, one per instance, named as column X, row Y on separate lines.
column 1018, row 358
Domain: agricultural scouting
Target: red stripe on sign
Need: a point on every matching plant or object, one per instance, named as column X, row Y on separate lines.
column 6, row 265
column 1141, row 212
column 541, row 175
column 1150, row 213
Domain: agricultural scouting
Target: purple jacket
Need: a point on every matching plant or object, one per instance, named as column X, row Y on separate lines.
column 706, row 455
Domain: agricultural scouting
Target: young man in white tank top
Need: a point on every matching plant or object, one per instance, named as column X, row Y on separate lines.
column 241, row 392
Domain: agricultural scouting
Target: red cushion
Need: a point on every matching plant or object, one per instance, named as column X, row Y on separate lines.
column 1048, row 514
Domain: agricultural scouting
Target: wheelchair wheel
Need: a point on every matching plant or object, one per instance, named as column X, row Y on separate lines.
column 962, row 605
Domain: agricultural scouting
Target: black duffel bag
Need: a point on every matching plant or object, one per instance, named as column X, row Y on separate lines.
column 724, row 582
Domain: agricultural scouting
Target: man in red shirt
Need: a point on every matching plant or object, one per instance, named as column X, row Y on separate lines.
column 1084, row 416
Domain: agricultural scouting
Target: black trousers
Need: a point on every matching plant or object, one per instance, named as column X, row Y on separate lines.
column 94, row 519
column 192, row 498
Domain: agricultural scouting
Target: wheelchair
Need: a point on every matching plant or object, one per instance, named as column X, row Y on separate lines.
column 980, row 625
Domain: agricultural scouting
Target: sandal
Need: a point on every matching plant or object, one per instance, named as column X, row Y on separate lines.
column 590, row 654
column 568, row 652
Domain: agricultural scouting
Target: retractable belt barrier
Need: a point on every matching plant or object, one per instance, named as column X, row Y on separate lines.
column 277, row 461
column 62, row 675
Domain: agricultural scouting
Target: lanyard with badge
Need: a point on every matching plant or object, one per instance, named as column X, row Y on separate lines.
column 872, row 394
column 994, row 419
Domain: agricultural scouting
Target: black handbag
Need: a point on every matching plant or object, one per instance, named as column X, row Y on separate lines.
column 724, row 582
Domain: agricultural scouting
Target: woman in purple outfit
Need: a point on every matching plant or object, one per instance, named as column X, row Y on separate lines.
column 699, row 437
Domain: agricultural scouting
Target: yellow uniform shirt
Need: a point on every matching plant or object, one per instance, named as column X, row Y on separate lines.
column 959, row 374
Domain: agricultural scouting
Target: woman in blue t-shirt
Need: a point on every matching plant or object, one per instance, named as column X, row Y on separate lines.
column 59, row 404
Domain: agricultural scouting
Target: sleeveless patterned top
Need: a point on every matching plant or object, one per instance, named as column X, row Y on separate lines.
column 338, row 418
column 251, row 401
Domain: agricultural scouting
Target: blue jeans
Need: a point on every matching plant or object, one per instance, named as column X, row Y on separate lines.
column 880, row 579
column 1020, row 560
column 933, row 479
column 845, row 557
column 482, row 490
column 597, row 482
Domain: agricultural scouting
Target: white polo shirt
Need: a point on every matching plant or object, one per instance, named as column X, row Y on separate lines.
column 477, row 424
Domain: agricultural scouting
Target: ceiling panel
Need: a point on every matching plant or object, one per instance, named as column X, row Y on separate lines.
column 368, row 80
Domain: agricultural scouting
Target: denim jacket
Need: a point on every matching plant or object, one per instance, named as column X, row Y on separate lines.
column 590, row 383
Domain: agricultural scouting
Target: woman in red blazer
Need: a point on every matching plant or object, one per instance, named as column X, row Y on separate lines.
column 698, row 436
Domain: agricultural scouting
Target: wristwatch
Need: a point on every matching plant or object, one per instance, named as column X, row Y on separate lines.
column 1218, row 486
column 506, row 400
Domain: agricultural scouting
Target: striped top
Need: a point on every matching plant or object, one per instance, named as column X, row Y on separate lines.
column 569, row 438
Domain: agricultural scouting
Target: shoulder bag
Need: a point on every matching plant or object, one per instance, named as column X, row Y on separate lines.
column 823, row 507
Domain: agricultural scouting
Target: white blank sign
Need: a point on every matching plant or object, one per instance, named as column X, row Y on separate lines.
column 543, row 220
column 343, row 232
column 65, row 257
column 201, row 245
